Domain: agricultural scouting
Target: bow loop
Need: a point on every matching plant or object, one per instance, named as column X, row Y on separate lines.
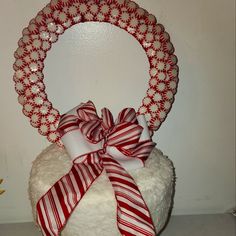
column 87, row 111
column 125, row 135
column 126, row 132
column 89, row 122
column 127, row 115
column 92, row 130
column 107, row 120
column 141, row 150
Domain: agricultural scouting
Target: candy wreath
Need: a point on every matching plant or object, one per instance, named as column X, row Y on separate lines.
column 60, row 15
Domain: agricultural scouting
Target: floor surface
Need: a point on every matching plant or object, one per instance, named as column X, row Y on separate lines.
column 200, row 225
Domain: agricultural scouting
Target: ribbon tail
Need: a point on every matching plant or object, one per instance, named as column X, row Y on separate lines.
column 133, row 216
column 56, row 206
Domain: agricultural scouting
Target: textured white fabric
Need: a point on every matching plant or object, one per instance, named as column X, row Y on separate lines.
column 96, row 213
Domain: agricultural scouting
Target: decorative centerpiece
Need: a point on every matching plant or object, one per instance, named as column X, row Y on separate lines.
column 103, row 152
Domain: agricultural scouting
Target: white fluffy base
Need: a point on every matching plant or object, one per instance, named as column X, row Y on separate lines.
column 96, row 213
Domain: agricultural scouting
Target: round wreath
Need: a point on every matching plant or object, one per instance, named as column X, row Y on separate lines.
column 58, row 16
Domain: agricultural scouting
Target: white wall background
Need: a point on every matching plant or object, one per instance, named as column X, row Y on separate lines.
column 89, row 61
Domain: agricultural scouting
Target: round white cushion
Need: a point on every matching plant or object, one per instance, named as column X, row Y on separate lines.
column 95, row 215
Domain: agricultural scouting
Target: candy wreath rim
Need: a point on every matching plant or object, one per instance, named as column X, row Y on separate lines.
column 58, row 16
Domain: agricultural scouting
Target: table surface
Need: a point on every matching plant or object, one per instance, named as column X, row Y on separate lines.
column 205, row 225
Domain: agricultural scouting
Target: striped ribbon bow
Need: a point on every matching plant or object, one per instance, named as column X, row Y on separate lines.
column 95, row 144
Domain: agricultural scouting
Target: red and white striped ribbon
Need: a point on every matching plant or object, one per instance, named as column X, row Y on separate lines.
column 95, row 144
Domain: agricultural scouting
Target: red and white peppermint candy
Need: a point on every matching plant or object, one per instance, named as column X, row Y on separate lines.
column 58, row 16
